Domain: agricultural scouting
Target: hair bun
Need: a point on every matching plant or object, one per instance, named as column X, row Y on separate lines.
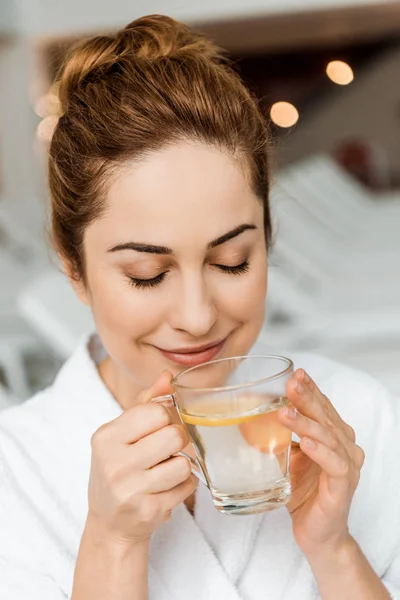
column 155, row 36
column 84, row 58
column 143, row 41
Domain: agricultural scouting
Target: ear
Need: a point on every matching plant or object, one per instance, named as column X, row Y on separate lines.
column 75, row 280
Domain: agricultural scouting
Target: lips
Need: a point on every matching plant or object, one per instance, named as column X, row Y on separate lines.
column 194, row 356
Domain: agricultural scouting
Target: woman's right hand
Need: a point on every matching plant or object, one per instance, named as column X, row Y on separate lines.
column 135, row 481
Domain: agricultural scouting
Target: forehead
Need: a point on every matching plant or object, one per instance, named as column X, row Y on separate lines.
column 185, row 193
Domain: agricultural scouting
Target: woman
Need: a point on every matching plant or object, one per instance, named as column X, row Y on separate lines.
column 159, row 186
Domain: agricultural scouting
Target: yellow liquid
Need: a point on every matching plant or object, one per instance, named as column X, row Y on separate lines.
column 244, row 450
column 218, row 421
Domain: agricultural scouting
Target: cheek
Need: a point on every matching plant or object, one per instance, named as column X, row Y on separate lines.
column 119, row 307
column 244, row 296
column 252, row 297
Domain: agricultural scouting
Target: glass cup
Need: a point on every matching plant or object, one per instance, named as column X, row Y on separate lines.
column 229, row 408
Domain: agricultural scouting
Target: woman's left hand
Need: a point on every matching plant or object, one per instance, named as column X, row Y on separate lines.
column 325, row 468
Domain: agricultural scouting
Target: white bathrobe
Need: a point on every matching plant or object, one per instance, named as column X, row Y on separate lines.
column 44, row 468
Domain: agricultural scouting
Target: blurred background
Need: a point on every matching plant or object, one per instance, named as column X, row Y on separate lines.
column 327, row 76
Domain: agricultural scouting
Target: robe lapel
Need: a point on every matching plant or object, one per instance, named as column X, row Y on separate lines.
column 183, row 560
column 232, row 538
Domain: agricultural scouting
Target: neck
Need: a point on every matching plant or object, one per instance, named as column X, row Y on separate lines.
column 124, row 389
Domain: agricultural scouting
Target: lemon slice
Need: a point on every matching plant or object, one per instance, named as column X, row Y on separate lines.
column 216, row 420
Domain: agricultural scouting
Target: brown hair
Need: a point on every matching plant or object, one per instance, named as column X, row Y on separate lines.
column 125, row 95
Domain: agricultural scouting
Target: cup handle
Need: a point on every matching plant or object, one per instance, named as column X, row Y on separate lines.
column 169, row 401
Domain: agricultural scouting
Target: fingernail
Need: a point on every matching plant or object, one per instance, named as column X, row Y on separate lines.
column 291, row 413
column 306, row 378
column 310, row 443
column 299, row 387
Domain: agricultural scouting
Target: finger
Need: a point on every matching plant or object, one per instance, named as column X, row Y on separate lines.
column 332, row 416
column 170, row 499
column 167, row 475
column 355, row 453
column 133, row 425
column 157, row 447
column 161, row 387
column 333, row 437
column 305, row 427
column 331, row 411
column 358, row 457
column 314, row 403
column 305, row 401
column 337, row 468
column 316, row 407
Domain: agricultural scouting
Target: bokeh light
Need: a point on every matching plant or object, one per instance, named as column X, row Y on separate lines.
column 340, row 72
column 284, row 114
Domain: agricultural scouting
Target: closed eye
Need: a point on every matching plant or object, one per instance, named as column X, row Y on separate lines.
column 235, row 270
column 141, row 284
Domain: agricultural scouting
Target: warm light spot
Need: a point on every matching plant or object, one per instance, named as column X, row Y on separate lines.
column 340, row 72
column 47, row 105
column 46, row 128
column 284, row 114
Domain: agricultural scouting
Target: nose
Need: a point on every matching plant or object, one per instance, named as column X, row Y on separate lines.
column 194, row 310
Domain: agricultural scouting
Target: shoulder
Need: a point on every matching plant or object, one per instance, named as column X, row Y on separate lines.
column 37, row 422
column 44, row 466
column 45, row 442
column 74, row 406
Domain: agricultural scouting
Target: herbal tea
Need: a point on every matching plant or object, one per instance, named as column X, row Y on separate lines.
column 242, row 449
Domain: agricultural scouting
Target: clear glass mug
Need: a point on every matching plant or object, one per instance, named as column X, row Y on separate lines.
column 229, row 407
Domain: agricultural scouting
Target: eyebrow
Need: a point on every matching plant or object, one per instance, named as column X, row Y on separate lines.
column 151, row 249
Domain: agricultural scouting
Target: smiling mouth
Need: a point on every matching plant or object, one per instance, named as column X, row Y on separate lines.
column 196, row 355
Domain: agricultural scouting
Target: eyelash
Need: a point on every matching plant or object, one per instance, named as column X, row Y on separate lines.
column 141, row 284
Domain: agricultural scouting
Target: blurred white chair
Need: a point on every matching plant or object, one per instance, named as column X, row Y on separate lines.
column 302, row 233
column 20, row 257
column 13, row 351
column 51, row 308
column 326, row 271
column 6, row 399
column 16, row 340
column 330, row 287
column 337, row 199
column 329, row 309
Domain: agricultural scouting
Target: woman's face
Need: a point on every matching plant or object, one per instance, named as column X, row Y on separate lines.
column 177, row 266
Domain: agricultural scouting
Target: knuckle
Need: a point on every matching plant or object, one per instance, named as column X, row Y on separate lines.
column 333, row 440
column 156, row 413
column 161, row 415
column 333, row 443
column 177, row 437
column 360, row 456
column 100, row 436
column 193, row 482
column 115, row 474
column 183, row 468
column 190, row 485
column 350, row 432
column 344, row 467
column 111, row 476
column 357, row 477
column 128, row 498
column 149, row 511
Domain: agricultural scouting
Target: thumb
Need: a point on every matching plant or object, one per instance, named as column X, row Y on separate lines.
column 162, row 386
